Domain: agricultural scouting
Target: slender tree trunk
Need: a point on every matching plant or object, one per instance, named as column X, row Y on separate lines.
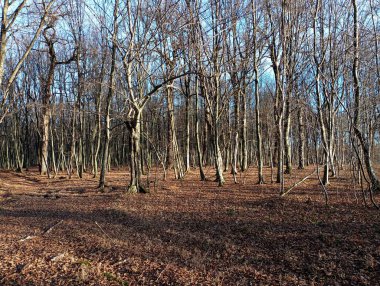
column 45, row 139
column 199, row 152
column 80, row 143
column 27, row 136
column 53, row 161
column 244, row 136
column 106, row 142
column 280, row 148
column 97, row 136
column 73, row 143
column 236, row 131
column 318, row 65
column 375, row 183
column 106, row 137
column 17, row 143
column 79, row 107
column 187, row 133
column 258, row 130
column 142, row 146
column 279, row 89
column 174, row 159
column 218, row 157
column 257, row 100
column 226, row 136
column 216, row 129
column 287, row 146
column 170, row 122
column 301, row 140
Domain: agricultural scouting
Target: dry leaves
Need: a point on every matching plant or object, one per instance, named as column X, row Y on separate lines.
column 185, row 233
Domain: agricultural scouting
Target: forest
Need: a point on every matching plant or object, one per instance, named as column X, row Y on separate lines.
column 189, row 142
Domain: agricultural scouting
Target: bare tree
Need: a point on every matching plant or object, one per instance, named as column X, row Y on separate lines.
column 8, row 20
column 110, row 93
column 375, row 184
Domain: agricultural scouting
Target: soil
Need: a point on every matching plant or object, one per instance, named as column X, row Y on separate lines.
column 63, row 231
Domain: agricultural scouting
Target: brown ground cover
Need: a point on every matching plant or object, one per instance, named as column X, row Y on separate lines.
column 66, row 232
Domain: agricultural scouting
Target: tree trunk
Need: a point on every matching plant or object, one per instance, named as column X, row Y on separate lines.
column 45, row 110
column 216, row 128
column 244, row 140
column 17, row 143
column 96, row 137
column 257, row 100
column 187, row 167
column 217, row 153
column 218, row 158
column 73, row 143
column 174, row 159
column 106, row 138
column 236, row 131
column 287, row 146
column 375, row 183
column 133, row 125
column 301, row 140
column 106, row 142
column 318, row 66
column 170, row 122
column 45, row 139
column 199, row 152
column 258, row 130
column 79, row 107
column 53, row 161
column 280, row 139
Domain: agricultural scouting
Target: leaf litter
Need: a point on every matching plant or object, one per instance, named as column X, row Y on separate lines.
column 185, row 233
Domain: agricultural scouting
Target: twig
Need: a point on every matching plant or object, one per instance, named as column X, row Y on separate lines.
column 103, row 230
column 43, row 233
column 163, row 270
column 299, row 182
column 58, row 257
column 27, row 238
column 51, row 228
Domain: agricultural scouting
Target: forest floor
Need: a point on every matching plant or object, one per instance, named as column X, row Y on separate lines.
column 65, row 232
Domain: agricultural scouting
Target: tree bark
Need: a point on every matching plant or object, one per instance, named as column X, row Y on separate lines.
column 318, row 66
column 133, row 125
column 375, row 183
column 244, row 136
column 236, row 129
column 174, row 159
column 287, row 146
column 187, row 167
column 259, row 142
column 106, row 138
column 45, row 110
column 258, row 130
column 301, row 140
column 199, row 152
